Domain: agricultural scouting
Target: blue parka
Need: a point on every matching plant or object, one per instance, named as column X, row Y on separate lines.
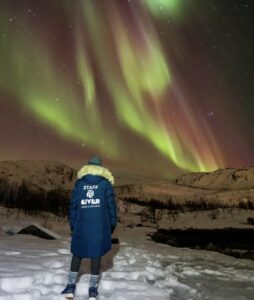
column 92, row 212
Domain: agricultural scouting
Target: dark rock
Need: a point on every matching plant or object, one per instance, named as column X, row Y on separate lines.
column 211, row 247
column 130, row 226
column 171, row 243
column 228, row 239
column 39, row 231
column 115, row 241
column 248, row 255
column 250, row 221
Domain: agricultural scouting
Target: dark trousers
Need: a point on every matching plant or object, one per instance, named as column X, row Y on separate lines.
column 95, row 264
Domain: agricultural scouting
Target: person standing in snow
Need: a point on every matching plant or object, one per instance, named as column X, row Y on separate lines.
column 92, row 220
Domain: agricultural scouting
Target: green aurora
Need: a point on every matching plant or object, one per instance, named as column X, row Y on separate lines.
column 120, row 80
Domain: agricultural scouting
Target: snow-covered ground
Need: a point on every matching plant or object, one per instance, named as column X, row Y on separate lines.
column 36, row 269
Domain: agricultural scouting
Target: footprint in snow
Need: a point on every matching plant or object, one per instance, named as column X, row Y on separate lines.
column 49, row 254
column 64, row 251
column 12, row 253
column 53, row 264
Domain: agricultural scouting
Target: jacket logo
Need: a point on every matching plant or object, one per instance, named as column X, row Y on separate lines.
column 90, row 202
column 90, row 194
column 90, row 187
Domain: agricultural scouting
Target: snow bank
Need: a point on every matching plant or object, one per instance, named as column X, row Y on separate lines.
column 36, row 269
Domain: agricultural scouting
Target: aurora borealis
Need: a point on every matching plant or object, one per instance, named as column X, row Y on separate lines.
column 158, row 86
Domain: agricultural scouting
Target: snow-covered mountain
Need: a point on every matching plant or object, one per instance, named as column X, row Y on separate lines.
column 125, row 176
column 222, row 179
column 46, row 175
column 50, row 175
column 222, row 188
column 46, row 185
column 36, row 185
column 53, row 181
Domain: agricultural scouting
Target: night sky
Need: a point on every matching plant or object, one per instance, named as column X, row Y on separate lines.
column 156, row 86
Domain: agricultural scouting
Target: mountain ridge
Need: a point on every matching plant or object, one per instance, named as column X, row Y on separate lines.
column 53, row 181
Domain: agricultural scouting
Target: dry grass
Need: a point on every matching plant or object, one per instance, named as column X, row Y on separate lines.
column 175, row 197
column 45, row 219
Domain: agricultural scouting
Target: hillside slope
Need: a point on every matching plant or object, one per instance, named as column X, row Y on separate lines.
column 50, row 175
column 46, row 175
column 222, row 188
column 47, row 186
column 222, row 179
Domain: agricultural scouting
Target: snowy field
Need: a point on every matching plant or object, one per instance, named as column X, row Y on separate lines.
column 36, row 269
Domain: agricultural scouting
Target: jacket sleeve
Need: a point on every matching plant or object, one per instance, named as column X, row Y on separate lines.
column 110, row 196
column 73, row 211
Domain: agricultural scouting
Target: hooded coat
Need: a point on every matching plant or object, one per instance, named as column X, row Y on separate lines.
column 92, row 212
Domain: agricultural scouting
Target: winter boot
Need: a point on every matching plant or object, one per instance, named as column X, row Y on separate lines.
column 93, row 293
column 69, row 291
column 93, row 287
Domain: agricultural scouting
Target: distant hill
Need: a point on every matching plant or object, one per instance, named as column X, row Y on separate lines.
column 52, row 174
column 46, row 185
column 126, row 177
column 222, row 188
column 46, row 175
column 222, row 179
column 36, row 185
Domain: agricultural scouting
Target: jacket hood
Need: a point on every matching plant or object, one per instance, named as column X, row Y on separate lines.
column 96, row 170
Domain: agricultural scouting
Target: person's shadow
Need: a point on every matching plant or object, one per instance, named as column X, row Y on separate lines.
column 106, row 261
